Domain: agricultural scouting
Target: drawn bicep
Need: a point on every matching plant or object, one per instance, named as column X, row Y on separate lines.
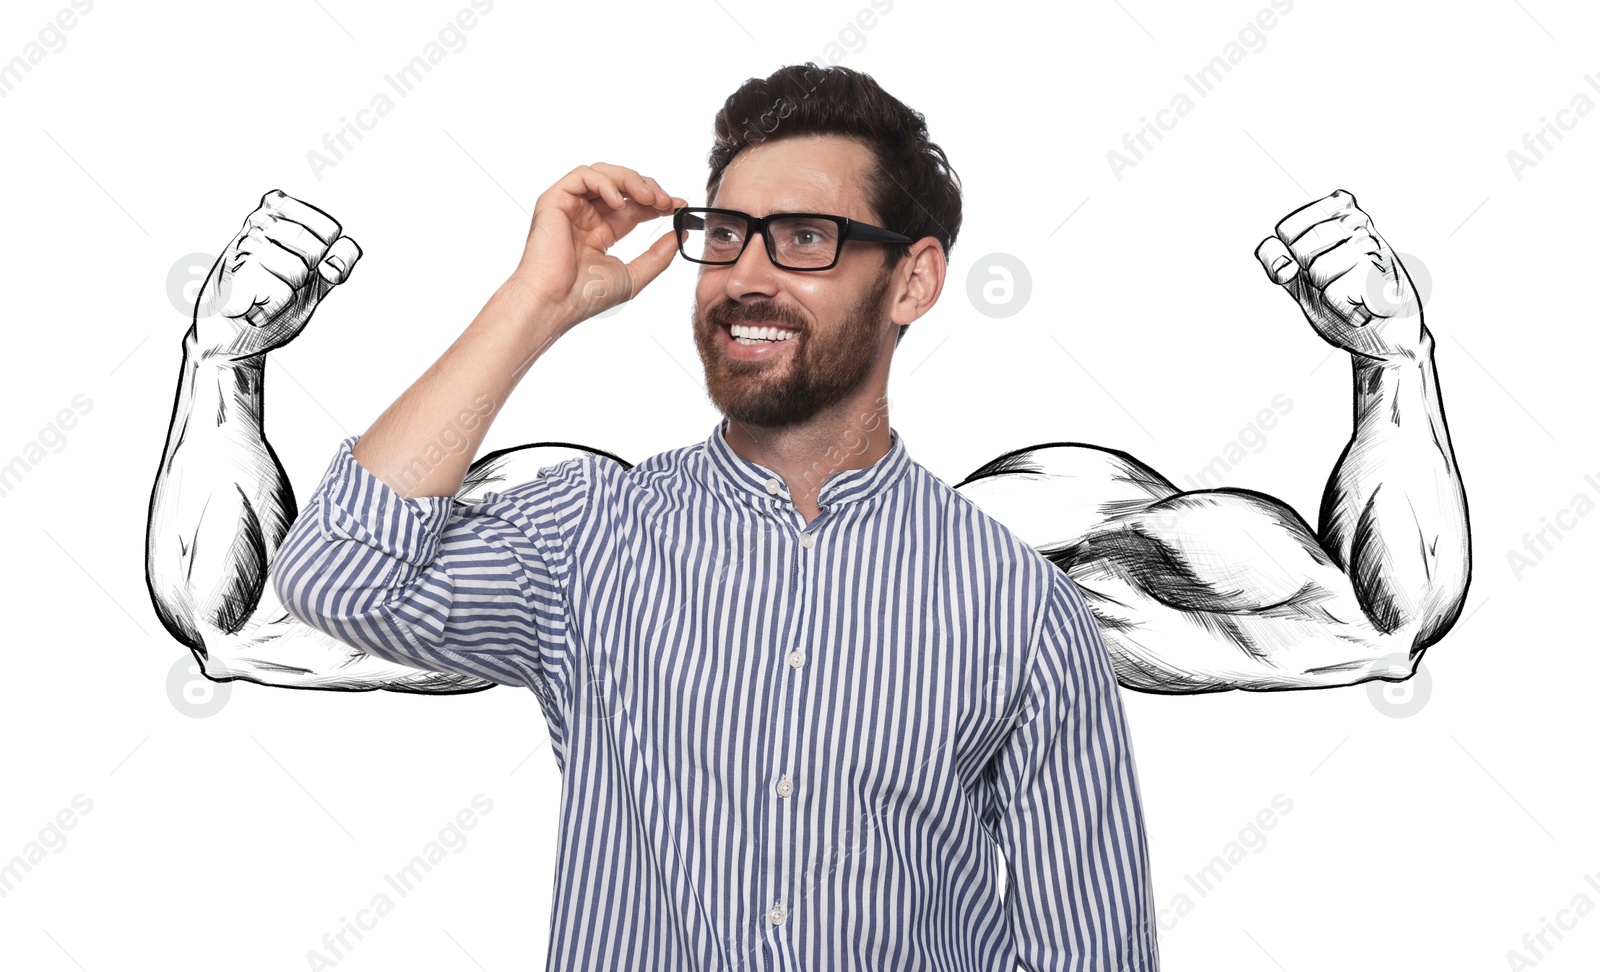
column 283, row 651
column 1220, row 589
column 1058, row 493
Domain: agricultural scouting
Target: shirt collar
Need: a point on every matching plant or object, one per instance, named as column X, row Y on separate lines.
column 838, row 486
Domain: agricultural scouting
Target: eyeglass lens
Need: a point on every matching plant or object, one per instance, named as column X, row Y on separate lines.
column 798, row 241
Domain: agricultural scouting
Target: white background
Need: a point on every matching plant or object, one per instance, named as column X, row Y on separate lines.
column 236, row 841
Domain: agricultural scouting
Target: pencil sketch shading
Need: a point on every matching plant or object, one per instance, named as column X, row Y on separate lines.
column 1196, row 591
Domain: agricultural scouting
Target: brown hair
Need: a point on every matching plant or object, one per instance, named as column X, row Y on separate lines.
column 912, row 188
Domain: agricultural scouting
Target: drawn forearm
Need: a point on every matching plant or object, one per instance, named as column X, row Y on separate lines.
column 1394, row 514
column 221, row 502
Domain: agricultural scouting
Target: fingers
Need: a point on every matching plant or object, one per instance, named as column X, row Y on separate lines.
column 613, row 184
column 286, row 233
column 1358, row 251
column 341, row 259
column 279, row 203
column 1344, row 294
column 258, row 292
column 1326, row 237
column 1332, row 206
column 282, row 263
column 640, row 188
column 1328, row 234
column 648, row 265
column 1277, row 260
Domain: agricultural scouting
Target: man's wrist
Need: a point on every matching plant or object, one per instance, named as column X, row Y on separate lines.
column 201, row 356
column 1419, row 352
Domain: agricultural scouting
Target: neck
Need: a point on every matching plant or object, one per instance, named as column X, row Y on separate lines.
column 852, row 435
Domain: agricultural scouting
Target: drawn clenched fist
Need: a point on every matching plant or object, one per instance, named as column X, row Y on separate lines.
column 262, row 290
column 1346, row 278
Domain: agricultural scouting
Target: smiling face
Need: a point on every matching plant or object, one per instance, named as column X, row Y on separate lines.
column 838, row 329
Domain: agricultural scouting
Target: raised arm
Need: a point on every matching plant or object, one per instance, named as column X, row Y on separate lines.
column 385, row 561
column 221, row 502
column 1231, row 589
column 1394, row 513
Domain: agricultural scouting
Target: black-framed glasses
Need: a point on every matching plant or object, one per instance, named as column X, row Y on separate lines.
column 795, row 241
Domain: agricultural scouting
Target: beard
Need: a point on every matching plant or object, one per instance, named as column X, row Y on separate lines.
column 824, row 367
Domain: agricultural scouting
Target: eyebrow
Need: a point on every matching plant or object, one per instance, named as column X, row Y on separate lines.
column 787, row 207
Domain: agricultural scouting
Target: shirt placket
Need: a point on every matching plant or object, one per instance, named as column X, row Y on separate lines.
column 784, row 779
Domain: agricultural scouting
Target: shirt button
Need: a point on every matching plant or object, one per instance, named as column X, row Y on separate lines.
column 776, row 914
column 773, row 486
column 797, row 658
column 785, row 786
column 807, row 541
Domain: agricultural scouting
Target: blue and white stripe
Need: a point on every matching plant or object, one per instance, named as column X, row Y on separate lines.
column 783, row 745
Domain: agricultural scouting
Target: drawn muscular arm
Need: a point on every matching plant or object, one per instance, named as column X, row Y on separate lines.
column 1230, row 589
column 222, row 503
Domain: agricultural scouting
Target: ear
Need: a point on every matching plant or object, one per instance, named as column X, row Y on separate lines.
column 919, row 281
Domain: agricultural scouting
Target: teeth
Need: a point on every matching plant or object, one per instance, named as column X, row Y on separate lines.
column 761, row 333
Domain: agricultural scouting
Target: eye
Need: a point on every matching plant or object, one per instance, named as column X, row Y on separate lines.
column 807, row 234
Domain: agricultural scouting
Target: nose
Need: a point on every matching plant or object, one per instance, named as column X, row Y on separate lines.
column 754, row 272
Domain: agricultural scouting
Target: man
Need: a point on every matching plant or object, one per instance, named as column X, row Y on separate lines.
column 792, row 723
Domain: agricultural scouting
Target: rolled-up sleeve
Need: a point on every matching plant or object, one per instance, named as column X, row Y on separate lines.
column 438, row 584
column 1064, row 806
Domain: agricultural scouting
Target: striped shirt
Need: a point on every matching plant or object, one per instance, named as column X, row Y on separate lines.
column 782, row 745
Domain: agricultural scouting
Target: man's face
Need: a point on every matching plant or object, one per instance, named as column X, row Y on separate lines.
column 836, row 316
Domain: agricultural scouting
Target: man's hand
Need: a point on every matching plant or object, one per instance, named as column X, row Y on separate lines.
column 564, row 265
column 263, row 288
column 1346, row 278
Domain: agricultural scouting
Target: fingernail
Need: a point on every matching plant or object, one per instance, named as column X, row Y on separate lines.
column 335, row 262
column 1280, row 264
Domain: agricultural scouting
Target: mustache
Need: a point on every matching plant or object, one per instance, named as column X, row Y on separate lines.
column 763, row 313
